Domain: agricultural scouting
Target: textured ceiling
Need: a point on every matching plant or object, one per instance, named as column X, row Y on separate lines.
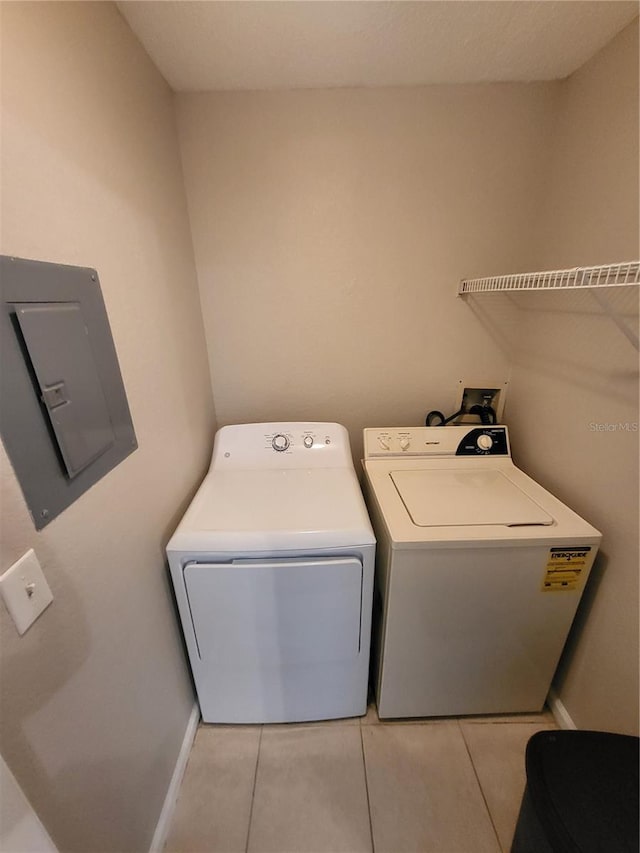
column 227, row 44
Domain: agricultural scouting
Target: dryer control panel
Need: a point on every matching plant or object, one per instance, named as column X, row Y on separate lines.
column 282, row 445
column 436, row 441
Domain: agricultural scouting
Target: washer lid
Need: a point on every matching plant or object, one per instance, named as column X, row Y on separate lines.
column 454, row 497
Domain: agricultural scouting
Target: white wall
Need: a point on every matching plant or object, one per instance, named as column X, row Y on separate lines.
column 96, row 695
column 331, row 229
column 575, row 368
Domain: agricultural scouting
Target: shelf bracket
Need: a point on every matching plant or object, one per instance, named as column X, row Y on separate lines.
column 628, row 332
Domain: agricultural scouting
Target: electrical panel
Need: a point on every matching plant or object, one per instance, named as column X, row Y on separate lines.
column 64, row 415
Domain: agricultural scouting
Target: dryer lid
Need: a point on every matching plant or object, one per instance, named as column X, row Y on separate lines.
column 452, row 497
column 273, row 510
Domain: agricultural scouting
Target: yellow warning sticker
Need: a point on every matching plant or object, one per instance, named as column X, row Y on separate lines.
column 564, row 568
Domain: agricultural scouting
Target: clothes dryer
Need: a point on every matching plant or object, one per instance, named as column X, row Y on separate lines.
column 478, row 577
column 272, row 567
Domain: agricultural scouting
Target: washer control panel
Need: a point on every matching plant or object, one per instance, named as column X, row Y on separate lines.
column 484, row 441
column 436, row 441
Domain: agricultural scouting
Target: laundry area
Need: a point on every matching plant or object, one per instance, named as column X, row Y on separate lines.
column 319, row 413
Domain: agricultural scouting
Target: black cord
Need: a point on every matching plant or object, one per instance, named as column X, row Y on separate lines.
column 453, row 417
column 442, row 421
column 434, row 416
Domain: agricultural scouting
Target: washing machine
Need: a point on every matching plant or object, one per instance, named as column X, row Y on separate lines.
column 272, row 567
column 479, row 573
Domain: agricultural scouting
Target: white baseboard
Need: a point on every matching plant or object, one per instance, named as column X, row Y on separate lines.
column 560, row 713
column 20, row 826
column 164, row 821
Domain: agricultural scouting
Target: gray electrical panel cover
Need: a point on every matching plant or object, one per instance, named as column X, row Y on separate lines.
column 64, row 416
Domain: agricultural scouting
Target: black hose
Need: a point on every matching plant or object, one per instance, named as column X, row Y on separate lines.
column 486, row 414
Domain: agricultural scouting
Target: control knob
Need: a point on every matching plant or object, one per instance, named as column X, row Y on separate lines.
column 404, row 443
column 280, row 442
column 308, row 441
column 484, row 442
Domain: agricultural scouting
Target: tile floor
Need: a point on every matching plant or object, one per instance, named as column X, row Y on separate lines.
column 355, row 786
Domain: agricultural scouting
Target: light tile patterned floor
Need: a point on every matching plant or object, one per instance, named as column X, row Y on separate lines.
column 355, row 786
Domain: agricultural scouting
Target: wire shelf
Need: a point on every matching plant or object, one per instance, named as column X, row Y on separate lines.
column 609, row 275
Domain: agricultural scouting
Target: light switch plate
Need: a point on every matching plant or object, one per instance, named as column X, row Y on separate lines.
column 25, row 591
